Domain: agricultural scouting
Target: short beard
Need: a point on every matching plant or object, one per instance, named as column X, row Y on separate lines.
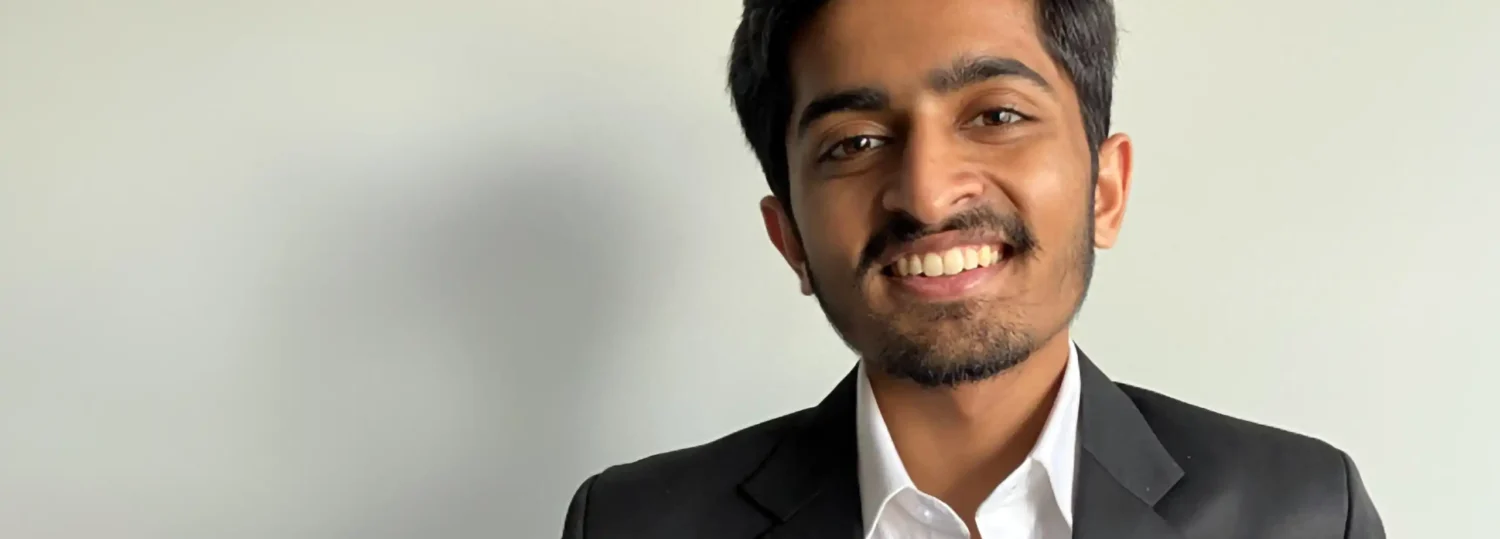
column 991, row 349
column 994, row 349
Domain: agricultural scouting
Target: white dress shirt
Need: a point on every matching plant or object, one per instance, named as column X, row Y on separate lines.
column 1034, row 502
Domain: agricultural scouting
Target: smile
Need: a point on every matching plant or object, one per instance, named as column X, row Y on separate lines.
column 953, row 261
column 948, row 274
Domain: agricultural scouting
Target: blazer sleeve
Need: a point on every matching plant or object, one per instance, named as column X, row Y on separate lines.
column 1363, row 522
column 574, row 522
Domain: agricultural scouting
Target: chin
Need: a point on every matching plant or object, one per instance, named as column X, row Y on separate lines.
column 950, row 351
column 931, row 368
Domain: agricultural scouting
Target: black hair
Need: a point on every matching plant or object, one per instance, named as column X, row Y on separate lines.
column 1079, row 35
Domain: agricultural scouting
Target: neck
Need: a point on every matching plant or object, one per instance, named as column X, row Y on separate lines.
column 959, row 443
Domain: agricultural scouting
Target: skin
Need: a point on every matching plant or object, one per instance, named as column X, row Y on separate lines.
column 1005, row 144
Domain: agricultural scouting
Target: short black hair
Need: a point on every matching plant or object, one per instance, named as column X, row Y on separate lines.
column 1079, row 35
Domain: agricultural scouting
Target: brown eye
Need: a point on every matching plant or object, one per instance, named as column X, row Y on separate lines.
column 849, row 147
column 996, row 117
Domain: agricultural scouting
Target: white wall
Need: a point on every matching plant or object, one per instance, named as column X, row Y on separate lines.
column 415, row 269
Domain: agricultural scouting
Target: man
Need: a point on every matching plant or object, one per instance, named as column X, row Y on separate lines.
column 942, row 172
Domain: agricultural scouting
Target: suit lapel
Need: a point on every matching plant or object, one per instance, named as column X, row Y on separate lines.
column 809, row 483
column 1105, row 509
column 1123, row 470
column 830, row 515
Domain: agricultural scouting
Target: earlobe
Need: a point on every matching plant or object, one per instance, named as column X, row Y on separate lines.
column 1112, row 189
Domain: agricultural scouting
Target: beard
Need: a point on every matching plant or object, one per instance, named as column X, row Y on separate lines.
column 949, row 344
column 968, row 349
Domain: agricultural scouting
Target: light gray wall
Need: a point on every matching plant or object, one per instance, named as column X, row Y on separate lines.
column 415, row 269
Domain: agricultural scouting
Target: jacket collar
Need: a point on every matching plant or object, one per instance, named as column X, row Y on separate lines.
column 1123, row 469
column 882, row 474
column 808, row 483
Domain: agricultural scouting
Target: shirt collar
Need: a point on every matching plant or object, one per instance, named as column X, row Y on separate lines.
column 882, row 475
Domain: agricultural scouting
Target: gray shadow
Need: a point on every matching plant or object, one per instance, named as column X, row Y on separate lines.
column 531, row 272
column 499, row 303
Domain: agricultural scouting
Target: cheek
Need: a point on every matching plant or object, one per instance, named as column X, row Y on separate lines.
column 835, row 226
column 1044, row 178
column 1054, row 206
column 1058, row 210
column 1040, row 175
column 1050, row 188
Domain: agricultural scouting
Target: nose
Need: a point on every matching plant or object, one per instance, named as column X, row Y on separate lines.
column 934, row 181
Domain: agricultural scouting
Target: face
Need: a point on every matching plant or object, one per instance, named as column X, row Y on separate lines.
column 945, row 202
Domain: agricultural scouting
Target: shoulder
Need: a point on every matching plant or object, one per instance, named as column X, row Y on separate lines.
column 677, row 489
column 1187, row 428
column 1253, row 473
column 727, row 459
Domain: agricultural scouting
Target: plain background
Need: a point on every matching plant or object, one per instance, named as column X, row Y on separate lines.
column 416, row 269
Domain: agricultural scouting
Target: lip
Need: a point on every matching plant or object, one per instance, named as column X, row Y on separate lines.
column 937, row 243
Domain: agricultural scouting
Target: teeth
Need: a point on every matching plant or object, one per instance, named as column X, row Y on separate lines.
column 953, row 261
column 950, row 262
column 932, row 265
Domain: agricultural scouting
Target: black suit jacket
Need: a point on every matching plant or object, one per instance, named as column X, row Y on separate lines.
column 1148, row 467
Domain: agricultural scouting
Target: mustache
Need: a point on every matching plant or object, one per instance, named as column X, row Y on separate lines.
column 904, row 228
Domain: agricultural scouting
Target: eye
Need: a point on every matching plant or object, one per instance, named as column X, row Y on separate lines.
column 994, row 117
column 849, row 147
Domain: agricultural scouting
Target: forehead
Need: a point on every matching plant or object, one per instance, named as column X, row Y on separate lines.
column 896, row 43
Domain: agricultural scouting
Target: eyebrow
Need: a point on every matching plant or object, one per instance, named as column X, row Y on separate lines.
column 858, row 99
column 965, row 71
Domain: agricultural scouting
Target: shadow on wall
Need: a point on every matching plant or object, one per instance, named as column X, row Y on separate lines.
column 439, row 355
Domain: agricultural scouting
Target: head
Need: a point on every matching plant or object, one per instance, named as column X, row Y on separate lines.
column 941, row 170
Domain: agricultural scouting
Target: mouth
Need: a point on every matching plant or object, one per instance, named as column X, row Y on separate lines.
column 951, row 261
column 947, row 274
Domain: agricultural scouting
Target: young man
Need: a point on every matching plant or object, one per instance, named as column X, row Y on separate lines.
column 942, row 171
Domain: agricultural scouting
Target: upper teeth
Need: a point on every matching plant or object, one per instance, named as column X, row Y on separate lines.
column 950, row 262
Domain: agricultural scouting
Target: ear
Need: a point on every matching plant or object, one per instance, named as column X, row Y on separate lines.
column 783, row 235
column 1112, row 190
